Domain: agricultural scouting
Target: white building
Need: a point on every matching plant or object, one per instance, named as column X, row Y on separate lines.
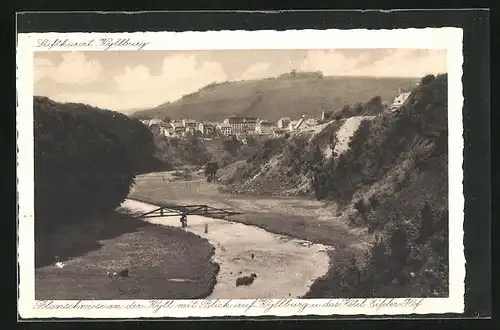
column 189, row 125
column 284, row 122
column 296, row 124
column 178, row 128
column 311, row 122
column 265, row 127
column 206, row 128
column 399, row 101
column 156, row 126
column 225, row 128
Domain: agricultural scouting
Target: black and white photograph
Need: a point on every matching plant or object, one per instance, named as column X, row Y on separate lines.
column 270, row 176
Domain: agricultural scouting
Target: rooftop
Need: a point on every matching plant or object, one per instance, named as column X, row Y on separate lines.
column 242, row 119
column 267, row 123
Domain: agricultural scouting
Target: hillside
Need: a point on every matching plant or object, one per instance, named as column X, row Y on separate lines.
column 274, row 98
column 386, row 173
column 286, row 166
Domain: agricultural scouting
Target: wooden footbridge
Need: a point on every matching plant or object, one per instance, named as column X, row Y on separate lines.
column 183, row 211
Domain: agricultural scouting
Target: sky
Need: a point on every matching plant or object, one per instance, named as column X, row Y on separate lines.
column 129, row 80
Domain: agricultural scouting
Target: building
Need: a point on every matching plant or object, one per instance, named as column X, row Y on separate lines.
column 265, row 127
column 296, row 124
column 399, row 101
column 311, row 122
column 242, row 125
column 284, row 122
column 156, row 126
column 189, row 125
column 169, row 131
column 206, row 128
column 178, row 128
column 225, row 129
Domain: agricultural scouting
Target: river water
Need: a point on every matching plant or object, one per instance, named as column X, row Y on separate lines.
column 285, row 267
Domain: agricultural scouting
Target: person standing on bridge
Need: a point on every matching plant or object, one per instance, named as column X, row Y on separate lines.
column 183, row 221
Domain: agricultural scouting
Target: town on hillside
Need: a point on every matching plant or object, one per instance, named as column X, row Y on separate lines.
column 241, row 126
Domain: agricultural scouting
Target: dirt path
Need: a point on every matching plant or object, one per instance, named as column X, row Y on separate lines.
column 285, row 267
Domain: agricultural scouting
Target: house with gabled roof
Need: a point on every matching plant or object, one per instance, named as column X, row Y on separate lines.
column 399, row 101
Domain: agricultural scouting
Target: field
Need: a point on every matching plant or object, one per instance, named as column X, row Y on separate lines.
column 274, row 98
column 163, row 263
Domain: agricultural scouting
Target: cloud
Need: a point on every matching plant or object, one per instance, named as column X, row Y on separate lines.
column 407, row 63
column 139, row 88
column 42, row 67
column 255, row 71
column 330, row 62
column 398, row 63
column 74, row 69
column 180, row 74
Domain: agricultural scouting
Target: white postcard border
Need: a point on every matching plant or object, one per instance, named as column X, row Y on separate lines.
column 449, row 39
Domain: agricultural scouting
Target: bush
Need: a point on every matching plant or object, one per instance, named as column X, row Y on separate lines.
column 85, row 159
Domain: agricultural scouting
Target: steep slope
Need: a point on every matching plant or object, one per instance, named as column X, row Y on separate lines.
column 387, row 173
column 284, row 166
column 274, row 98
column 394, row 180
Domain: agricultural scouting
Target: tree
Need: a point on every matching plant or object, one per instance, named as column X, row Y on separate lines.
column 374, row 106
column 85, row 159
column 315, row 158
column 345, row 112
column 232, row 145
column 211, row 169
column 427, row 79
column 358, row 109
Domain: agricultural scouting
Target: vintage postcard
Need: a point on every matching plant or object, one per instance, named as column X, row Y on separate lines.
column 240, row 173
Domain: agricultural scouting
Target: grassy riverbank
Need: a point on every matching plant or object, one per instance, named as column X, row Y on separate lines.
column 163, row 263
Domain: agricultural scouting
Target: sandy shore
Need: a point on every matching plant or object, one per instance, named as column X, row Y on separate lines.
column 285, row 267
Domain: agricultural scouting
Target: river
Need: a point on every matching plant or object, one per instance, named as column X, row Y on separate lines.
column 279, row 231
column 285, row 267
